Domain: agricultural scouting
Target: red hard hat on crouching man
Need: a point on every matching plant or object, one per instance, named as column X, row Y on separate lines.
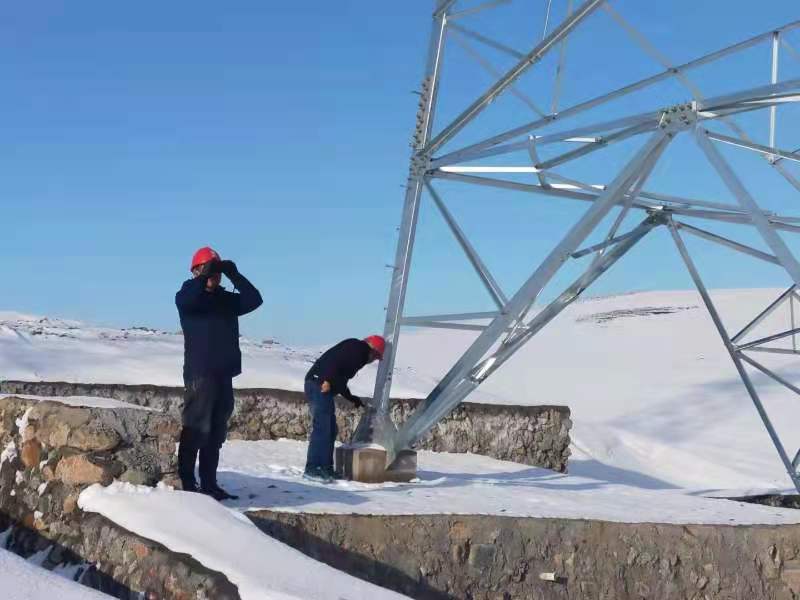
column 377, row 343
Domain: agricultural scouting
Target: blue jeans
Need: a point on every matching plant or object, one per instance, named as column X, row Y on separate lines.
column 323, row 426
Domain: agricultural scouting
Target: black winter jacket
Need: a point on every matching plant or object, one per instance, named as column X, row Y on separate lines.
column 210, row 323
column 340, row 364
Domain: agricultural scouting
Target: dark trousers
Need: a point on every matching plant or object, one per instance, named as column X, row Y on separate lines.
column 323, row 426
column 207, row 407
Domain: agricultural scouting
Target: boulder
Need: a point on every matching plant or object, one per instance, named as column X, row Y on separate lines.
column 93, row 437
column 80, row 469
column 31, row 454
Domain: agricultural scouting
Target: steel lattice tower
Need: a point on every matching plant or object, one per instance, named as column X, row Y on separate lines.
column 710, row 121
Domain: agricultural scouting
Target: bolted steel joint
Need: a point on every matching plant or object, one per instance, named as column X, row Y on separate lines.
column 420, row 164
column 421, row 126
column 678, row 117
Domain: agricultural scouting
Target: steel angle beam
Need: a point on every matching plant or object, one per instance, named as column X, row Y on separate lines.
column 766, row 150
column 602, row 142
column 775, row 351
column 442, row 7
column 728, row 243
column 452, row 317
column 776, row 38
column 489, row 282
column 376, row 424
column 602, row 245
column 534, row 56
column 736, row 357
column 718, row 107
column 589, row 193
column 581, row 107
column 444, row 325
column 491, row 70
column 474, row 10
column 425, row 417
column 773, row 306
column 634, row 121
column 770, row 338
column 761, row 222
column 442, row 399
column 771, row 374
column 483, row 39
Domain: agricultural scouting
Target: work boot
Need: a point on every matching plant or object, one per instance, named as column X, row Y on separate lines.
column 319, row 474
column 190, row 486
column 217, row 493
column 187, row 457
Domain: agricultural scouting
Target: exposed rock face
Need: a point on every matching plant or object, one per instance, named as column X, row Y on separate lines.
column 448, row 557
column 51, row 452
column 532, row 435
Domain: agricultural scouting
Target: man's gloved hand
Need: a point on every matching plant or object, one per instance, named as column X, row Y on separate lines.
column 357, row 402
column 228, row 268
column 210, row 268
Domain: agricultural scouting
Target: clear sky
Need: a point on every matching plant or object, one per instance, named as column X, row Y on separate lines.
column 133, row 133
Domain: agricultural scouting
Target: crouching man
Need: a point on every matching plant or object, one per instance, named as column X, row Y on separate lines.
column 327, row 378
column 209, row 317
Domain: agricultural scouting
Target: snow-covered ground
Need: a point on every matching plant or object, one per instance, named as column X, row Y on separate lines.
column 42, row 348
column 656, row 402
column 225, row 540
column 267, row 474
column 22, row 579
column 661, row 421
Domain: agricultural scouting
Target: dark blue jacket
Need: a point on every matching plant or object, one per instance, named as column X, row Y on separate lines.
column 339, row 364
column 210, row 323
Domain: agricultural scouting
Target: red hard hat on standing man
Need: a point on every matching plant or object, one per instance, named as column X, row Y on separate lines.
column 202, row 256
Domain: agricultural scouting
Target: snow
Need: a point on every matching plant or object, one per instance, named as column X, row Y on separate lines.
column 271, row 471
column 661, row 422
column 36, row 348
column 9, row 452
column 268, row 475
column 84, row 401
column 655, row 398
column 224, row 540
column 22, row 422
column 23, row 580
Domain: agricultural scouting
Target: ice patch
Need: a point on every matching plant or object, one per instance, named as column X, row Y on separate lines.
column 70, row 572
column 9, row 453
column 39, row 557
column 22, row 422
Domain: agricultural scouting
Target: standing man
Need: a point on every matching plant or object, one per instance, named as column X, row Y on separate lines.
column 210, row 321
column 326, row 378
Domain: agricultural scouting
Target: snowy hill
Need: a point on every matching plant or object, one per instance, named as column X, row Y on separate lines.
column 655, row 398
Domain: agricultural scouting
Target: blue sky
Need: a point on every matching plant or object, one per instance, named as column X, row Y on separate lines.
column 278, row 133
